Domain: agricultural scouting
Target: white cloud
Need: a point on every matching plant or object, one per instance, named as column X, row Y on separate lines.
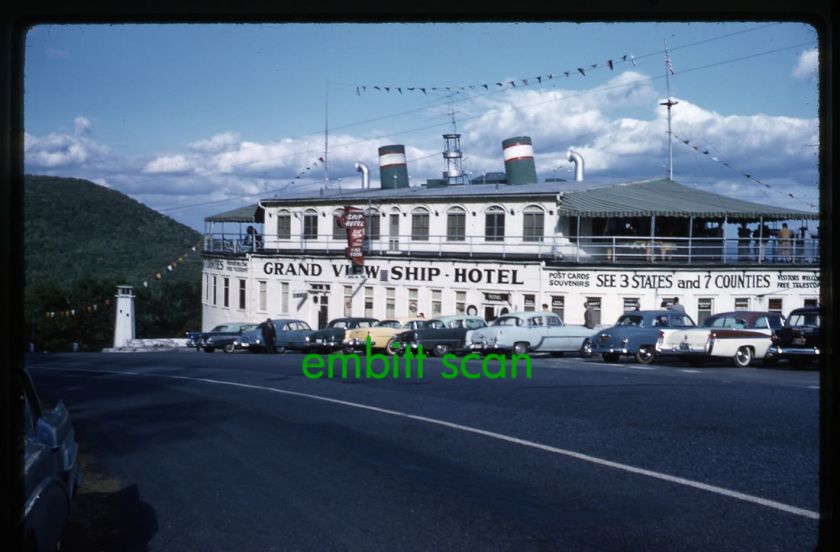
column 60, row 150
column 807, row 65
column 219, row 142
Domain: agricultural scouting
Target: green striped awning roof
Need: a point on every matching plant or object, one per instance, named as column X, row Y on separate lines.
column 240, row 214
column 665, row 197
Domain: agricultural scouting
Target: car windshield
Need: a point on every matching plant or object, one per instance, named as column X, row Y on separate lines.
column 805, row 319
column 508, row 321
column 222, row 328
column 630, row 320
column 388, row 324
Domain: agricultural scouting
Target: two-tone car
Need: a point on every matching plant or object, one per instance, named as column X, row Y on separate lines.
column 222, row 336
column 334, row 335
column 636, row 334
column 292, row 335
column 441, row 335
column 383, row 334
column 800, row 340
column 739, row 336
column 530, row 332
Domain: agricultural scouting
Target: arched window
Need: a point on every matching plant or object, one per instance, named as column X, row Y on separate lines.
column 338, row 233
column 372, row 221
column 284, row 225
column 456, row 224
column 533, row 223
column 420, row 224
column 310, row 224
column 494, row 224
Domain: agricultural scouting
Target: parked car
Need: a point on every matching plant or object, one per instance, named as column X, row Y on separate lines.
column 740, row 336
column 636, row 333
column 524, row 332
column 222, row 336
column 800, row 340
column 51, row 470
column 440, row 335
column 383, row 334
column 192, row 339
column 292, row 334
column 334, row 335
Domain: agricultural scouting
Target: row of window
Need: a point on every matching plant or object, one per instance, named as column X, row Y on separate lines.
column 533, row 224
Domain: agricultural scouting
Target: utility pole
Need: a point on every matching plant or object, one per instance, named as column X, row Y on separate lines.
column 669, row 103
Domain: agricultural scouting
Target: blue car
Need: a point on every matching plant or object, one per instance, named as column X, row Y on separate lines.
column 292, row 335
column 636, row 334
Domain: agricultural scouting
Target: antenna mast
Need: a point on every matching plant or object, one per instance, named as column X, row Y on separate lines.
column 326, row 135
column 669, row 103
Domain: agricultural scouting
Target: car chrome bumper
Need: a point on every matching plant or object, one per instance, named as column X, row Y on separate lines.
column 798, row 352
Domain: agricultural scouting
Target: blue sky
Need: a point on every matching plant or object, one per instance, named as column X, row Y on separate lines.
column 193, row 120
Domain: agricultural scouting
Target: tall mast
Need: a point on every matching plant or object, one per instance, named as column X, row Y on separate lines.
column 669, row 103
column 326, row 135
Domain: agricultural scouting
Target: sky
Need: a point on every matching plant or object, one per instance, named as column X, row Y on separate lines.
column 193, row 119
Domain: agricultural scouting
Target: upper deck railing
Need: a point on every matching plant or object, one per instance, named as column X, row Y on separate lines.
column 583, row 249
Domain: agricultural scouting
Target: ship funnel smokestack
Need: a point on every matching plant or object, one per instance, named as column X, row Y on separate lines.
column 393, row 171
column 519, row 160
column 578, row 161
column 362, row 168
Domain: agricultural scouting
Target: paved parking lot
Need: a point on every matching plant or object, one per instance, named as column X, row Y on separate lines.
column 240, row 451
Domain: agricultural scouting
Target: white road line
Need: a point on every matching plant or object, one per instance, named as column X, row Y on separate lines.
column 813, row 387
column 642, row 367
column 501, row 437
column 689, row 371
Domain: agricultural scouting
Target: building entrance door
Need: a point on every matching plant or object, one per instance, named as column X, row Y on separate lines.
column 394, row 231
column 323, row 311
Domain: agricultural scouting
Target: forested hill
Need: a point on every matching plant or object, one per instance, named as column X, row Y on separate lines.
column 76, row 229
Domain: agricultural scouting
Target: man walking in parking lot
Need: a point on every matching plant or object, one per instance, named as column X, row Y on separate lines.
column 269, row 335
column 677, row 307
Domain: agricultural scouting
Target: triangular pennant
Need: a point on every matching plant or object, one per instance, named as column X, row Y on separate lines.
column 580, row 70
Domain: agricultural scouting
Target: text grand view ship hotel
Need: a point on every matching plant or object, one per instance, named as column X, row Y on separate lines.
column 503, row 242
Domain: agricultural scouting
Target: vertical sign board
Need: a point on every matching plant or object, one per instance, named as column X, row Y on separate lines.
column 353, row 221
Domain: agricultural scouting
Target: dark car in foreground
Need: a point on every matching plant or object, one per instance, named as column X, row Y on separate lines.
column 636, row 334
column 440, row 335
column 334, row 336
column 292, row 334
column 51, row 470
column 800, row 339
column 223, row 335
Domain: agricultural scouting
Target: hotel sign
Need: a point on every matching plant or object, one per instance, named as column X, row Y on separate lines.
column 353, row 220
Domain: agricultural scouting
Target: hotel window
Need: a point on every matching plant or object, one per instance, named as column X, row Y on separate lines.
column 310, row 224
column 631, row 304
column 558, row 306
column 533, row 224
column 263, row 296
column 774, row 305
column 412, row 301
column 242, row 294
column 530, row 303
column 811, row 303
column 369, row 301
column 436, row 302
column 372, row 224
column 284, row 225
column 390, row 302
column 215, row 290
column 460, row 302
column 348, row 300
column 338, row 233
column 420, row 224
column 226, row 293
column 206, row 289
column 284, row 296
column 456, row 224
column 705, row 306
column 596, row 307
column 494, row 224
column 742, row 303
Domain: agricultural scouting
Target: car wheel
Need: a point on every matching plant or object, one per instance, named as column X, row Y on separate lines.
column 209, row 349
column 280, row 349
column 392, row 347
column 520, row 348
column 586, row 349
column 229, row 348
column 646, row 354
column 440, row 349
column 347, row 350
column 610, row 357
column 742, row 357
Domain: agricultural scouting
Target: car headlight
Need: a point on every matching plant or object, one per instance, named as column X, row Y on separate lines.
column 306, row 339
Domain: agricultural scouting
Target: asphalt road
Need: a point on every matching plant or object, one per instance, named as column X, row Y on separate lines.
column 196, row 451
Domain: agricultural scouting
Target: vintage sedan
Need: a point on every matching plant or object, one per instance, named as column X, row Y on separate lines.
column 636, row 333
column 222, row 336
column 440, row 335
column 524, row 332
column 740, row 336
column 292, row 334
column 50, row 469
column 800, row 340
column 334, row 336
column 383, row 334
